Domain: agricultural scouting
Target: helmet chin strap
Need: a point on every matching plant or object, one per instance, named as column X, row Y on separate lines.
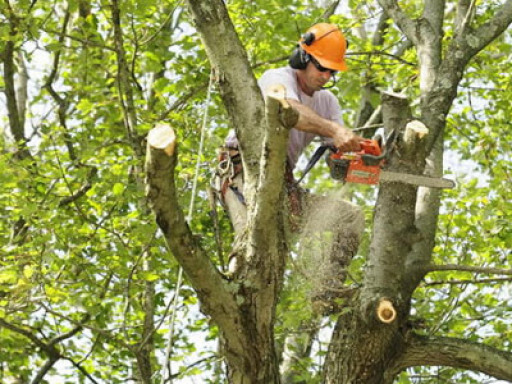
column 333, row 83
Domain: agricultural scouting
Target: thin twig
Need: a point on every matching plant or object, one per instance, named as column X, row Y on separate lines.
column 467, row 268
column 381, row 53
column 467, row 281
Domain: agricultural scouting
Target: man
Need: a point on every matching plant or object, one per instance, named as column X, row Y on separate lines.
column 319, row 55
column 316, row 60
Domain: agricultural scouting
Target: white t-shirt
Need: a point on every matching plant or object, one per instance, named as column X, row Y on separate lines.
column 323, row 102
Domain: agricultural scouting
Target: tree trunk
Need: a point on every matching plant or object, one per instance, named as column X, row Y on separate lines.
column 364, row 343
column 361, row 349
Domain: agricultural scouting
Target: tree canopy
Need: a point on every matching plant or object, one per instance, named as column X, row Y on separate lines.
column 88, row 277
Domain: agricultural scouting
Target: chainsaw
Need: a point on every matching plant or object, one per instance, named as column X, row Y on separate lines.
column 365, row 167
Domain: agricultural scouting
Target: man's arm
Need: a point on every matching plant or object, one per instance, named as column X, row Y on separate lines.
column 310, row 121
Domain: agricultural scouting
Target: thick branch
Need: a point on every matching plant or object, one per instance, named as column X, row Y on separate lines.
column 239, row 90
column 406, row 25
column 22, row 88
column 434, row 13
column 270, row 185
column 456, row 353
column 15, row 120
column 265, row 221
column 123, row 81
column 210, row 286
column 429, row 45
column 478, row 39
column 427, row 213
column 393, row 228
column 465, row 45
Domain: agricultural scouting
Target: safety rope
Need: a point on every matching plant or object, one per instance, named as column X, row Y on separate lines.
column 179, row 282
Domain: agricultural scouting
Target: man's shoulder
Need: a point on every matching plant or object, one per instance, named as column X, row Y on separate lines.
column 283, row 75
column 281, row 71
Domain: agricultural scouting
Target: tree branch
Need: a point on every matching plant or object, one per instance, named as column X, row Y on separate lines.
column 78, row 366
column 123, row 82
column 181, row 101
column 84, row 42
column 433, row 11
column 45, row 369
column 15, row 120
column 61, row 102
column 273, row 161
column 29, row 335
column 49, row 348
column 406, row 25
column 465, row 10
column 436, row 104
column 393, row 229
column 330, row 9
column 83, row 189
column 212, row 289
column 478, row 39
column 457, row 353
column 467, row 268
column 381, row 53
column 22, row 88
column 467, row 281
column 238, row 87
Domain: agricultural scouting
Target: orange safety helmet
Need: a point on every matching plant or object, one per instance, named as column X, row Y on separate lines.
column 326, row 43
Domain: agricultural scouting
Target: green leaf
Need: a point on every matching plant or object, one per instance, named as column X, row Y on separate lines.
column 118, row 189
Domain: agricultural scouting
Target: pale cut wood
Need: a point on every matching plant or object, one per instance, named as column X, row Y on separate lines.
column 278, row 92
column 415, row 130
column 162, row 137
column 386, row 312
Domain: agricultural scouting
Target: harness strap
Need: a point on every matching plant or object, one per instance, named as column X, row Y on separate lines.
column 229, row 166
column 238, row 194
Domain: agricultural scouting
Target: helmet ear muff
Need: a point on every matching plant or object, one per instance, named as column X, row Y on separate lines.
column 299, row 58
column 308, row 38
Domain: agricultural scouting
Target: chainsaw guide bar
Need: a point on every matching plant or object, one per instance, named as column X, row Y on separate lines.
column 422, row 181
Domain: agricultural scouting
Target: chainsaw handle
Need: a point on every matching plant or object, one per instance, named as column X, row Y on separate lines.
column 373, row 159
column 371, row 152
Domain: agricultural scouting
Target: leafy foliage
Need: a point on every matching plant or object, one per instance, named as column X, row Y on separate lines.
column 81, row 257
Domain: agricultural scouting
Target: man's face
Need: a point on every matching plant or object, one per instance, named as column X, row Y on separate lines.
column 315, row 77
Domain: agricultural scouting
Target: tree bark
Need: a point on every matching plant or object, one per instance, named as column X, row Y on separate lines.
column 238, row 87
column 244, row 309
column 365, row 342
column 457, row 353
column 15, row 120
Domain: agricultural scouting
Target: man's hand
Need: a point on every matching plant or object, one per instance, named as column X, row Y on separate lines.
column 347, row 141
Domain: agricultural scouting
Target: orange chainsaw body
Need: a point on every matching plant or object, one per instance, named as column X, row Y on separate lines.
column 353, row 166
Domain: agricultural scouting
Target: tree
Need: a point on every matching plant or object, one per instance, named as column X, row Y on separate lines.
column 85, row 275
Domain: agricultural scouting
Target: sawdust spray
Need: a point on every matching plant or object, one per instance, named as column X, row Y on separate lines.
column 331, row 231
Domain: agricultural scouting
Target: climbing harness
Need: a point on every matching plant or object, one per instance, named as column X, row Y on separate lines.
column 229, row 166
